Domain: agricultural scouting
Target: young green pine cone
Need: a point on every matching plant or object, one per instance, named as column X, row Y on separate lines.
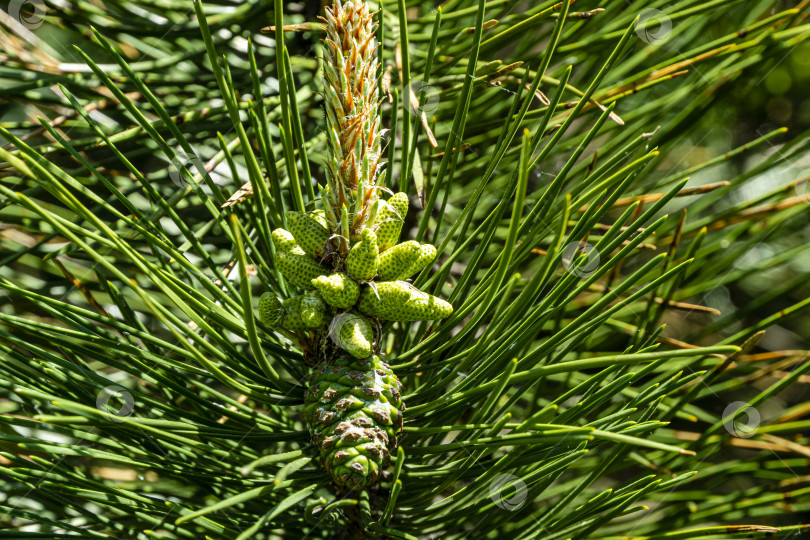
column 338, row 290
column 320, row 216
column 283, row 240
column 388, row 291
column 270, row 312
column 353, row 413
column 298, row 313
column 295, row 265
column 352, row 332
column 400, row 301
column 310, row 232
column 299, row 269
column 396, row 261
column 364, row 258
column 389, row 220
column 313, row 309
column 303, row 312
column 426, row 255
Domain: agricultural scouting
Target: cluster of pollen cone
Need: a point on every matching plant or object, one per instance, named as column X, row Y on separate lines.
column 351, row 269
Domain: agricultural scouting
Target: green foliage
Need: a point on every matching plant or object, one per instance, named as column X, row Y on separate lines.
column 584, row 386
